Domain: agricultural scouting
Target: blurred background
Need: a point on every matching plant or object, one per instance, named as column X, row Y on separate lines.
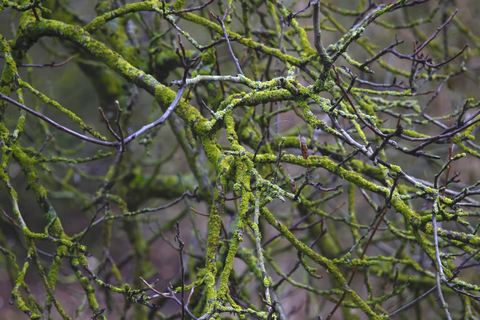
column 83, row 84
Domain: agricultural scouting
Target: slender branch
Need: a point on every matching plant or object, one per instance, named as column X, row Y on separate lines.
column 58, row 126
column 318, row 36
column 51, row 64
column 225, row 33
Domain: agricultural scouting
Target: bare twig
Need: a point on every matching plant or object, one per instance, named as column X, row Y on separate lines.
column 181, row 245
column 225, row 33
column 194, row 8
column 51, row 64
column 56, row 125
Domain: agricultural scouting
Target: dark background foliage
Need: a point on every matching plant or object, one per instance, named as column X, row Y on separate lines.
column 170, row 161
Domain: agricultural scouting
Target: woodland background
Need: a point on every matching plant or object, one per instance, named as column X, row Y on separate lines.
column 146, row 244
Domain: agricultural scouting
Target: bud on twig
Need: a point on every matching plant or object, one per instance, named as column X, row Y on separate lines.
column 293, row 187
column 303, row 146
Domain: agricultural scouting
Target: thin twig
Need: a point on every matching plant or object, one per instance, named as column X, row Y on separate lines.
column 56, row 125
column 51, row 64
column 194, row 8
column 225, row 34
column 181, row 245
column 439, row 273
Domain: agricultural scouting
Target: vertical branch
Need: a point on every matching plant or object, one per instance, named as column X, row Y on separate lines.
column 181, row 245
column 258, row 239
column 225, row 33
column 327, row 62
column 119, row 125
column 439, row 274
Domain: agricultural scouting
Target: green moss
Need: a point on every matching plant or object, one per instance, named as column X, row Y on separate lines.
column 395, row 168
column 248, row 42
column 227, row 270
column 324, row 262
column 56, row 105
column 326, row 163
column 128, row 187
